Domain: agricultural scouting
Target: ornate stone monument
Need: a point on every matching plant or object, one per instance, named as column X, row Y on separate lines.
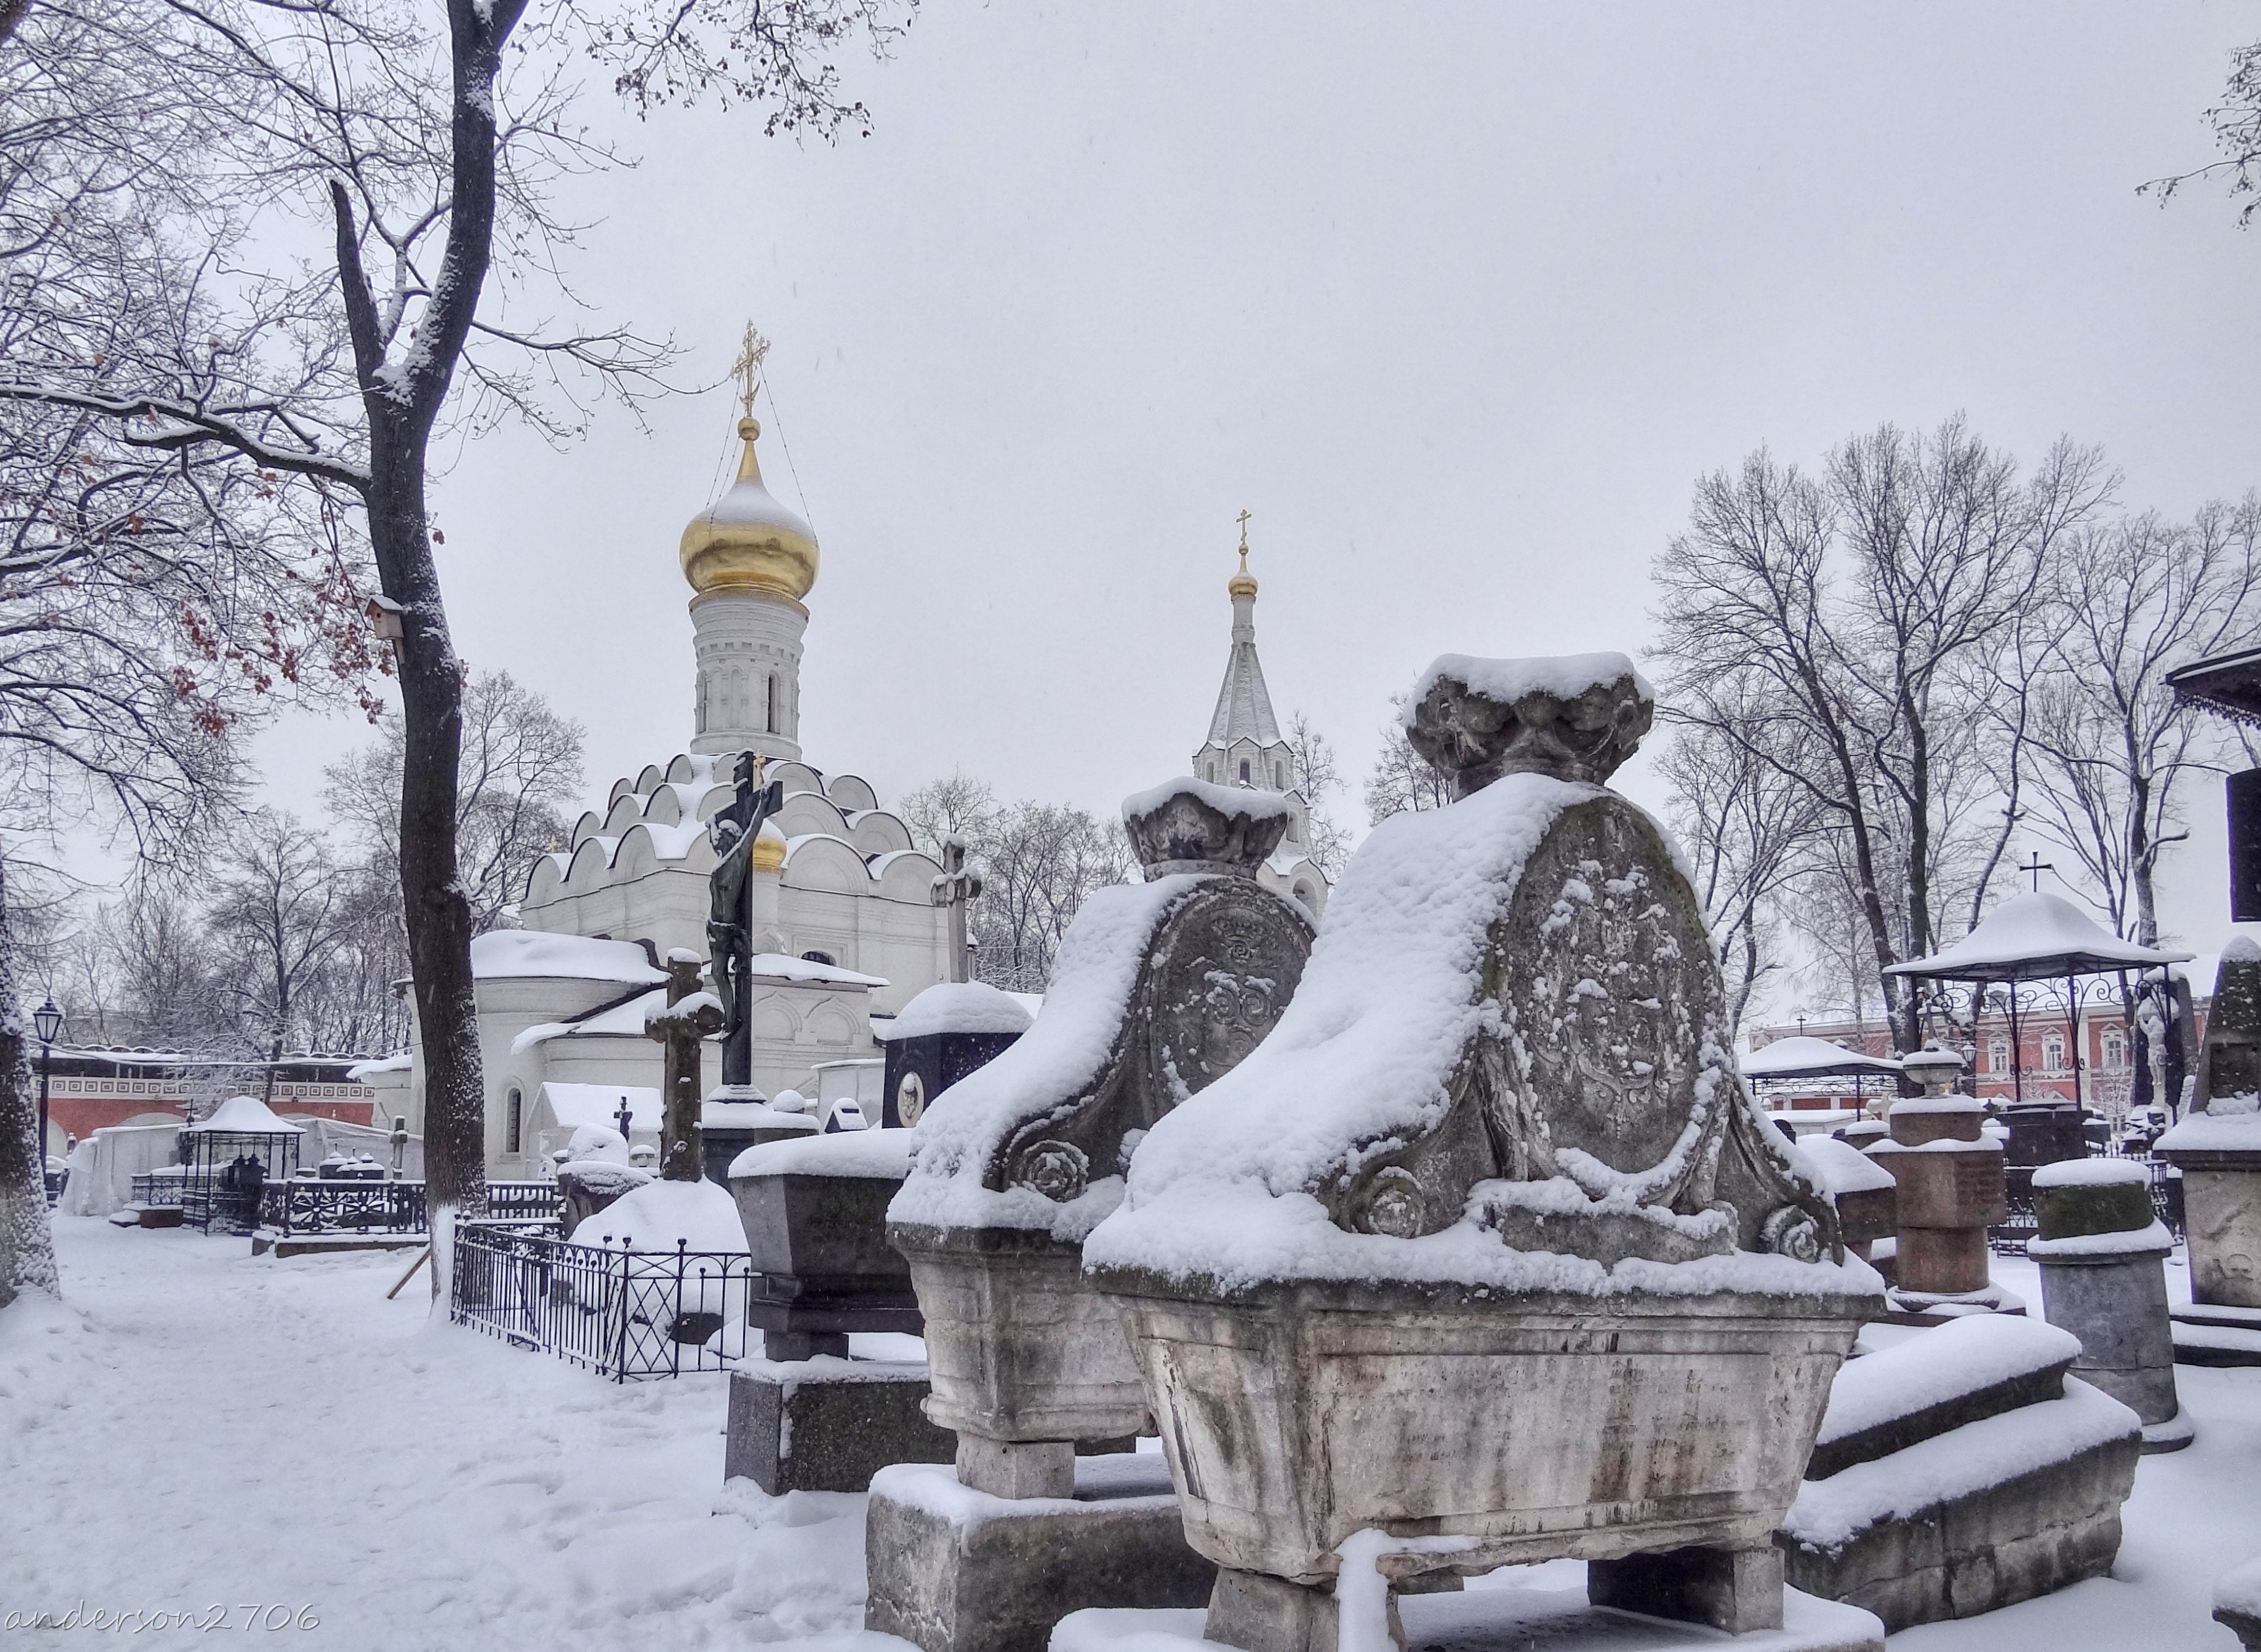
column 1159, row 989
column 1485, row 1248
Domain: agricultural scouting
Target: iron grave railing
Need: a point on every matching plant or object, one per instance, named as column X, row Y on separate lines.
column 621, row 1312
column 324, row 1204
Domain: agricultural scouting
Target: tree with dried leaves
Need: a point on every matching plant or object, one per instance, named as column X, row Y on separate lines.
column 433, row 151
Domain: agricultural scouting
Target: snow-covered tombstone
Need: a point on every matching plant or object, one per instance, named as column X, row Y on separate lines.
column 1487, row 1240
column 1160, row 987
column 943, row 1034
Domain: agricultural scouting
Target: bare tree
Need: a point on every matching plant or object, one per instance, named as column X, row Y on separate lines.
column 279, row 919
column 2136, row 598
column 1401, row 778
column 520, row 767
column 1313, row 771
column 1748, row 831
column 428, row 150
column 959, row 806
column 1835, row 628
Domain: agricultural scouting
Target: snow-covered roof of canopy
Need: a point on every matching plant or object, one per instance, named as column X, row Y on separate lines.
column 599, row 1104
column 536, row 952
column 2035, row 936
column 246, row 1115
column 1808, row 1058
column 958, row 1006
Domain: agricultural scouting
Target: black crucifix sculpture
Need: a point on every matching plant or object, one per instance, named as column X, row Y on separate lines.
column 729, row 928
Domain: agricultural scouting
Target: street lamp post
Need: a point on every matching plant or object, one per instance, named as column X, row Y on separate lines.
column 47, row 1022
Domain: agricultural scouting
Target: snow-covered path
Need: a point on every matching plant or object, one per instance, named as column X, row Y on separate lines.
column 201, row 1430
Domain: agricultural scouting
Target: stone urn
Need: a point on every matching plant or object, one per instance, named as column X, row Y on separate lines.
column 1486, row 1246
column 1159, row 989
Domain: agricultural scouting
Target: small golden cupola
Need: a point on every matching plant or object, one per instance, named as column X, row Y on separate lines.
column 748, row 540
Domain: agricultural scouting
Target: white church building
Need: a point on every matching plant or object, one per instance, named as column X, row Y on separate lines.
column 844, row 920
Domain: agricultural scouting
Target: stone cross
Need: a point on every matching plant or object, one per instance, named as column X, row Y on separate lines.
column 953, row 889
column 682, row 1028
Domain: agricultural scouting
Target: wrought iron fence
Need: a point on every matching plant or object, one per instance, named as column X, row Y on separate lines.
column 620, row 1312
column 158, row 1187
column 323, row 1204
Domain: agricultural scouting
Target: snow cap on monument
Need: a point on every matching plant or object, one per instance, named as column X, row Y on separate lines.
column 1190, row 825
column 1573, row 716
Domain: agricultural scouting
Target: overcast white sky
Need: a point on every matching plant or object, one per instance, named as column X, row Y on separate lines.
column 1458, row 300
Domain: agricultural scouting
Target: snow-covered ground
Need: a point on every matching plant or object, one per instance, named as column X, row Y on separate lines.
column 205, row 1430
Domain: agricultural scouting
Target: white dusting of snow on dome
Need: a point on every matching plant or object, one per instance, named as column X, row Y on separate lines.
column 955, row 1006
column 246, row 1115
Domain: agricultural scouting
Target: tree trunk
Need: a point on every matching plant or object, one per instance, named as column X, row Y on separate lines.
column 27, row 1241
column 432, row 897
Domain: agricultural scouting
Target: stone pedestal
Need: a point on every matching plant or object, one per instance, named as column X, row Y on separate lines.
column 1948, row 1190
column 587, row 1186
column 2103, row 1266
column 953, row 1569
column 827, row 1424
column 1022, row 1349
column 815, row 1215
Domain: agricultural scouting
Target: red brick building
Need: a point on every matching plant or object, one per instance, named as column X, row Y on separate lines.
column 88, row 1090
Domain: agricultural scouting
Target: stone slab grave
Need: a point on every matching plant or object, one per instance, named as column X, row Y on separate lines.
column 806, row 1416
column 1157, row 990
column 2103, row 1254
column 1486, row 1243
column 1962, row 1470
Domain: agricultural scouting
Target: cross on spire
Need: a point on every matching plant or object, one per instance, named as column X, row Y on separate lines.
column 747, row 368
column 1243, row 519
column 2036, row 865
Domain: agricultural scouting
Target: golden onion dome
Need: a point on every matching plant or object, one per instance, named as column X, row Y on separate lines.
column 746, row 540
column 1243, row 582
column 768, row 847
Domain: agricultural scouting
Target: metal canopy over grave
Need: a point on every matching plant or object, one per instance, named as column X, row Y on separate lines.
column 2036, row 937
column 227, row 1157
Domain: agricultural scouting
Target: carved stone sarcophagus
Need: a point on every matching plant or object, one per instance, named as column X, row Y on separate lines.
column 1159, row 989
column 1487, row 1240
